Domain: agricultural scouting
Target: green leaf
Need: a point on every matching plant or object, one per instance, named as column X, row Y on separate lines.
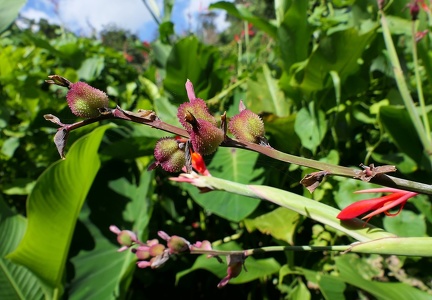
column 293, row 33
column 9, row 12
column 256, row 268
column 53, row 208
column 280, row 223
column 312, row 209
column 243, row 13
column 237, row 165
column 349, row 266
column 9, row 146
column 346, row 196
column 300, row 292
column 397, row 123
column 91, row 68
column 281, row 133
column 406, row 224
column 130, row 207
column 16, row 281
column 263, row 94
column 310, row 127
column 338, row 52
column 190, row 59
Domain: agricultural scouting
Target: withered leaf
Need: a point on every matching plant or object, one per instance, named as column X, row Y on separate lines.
column 60, row 140
column 311, row 181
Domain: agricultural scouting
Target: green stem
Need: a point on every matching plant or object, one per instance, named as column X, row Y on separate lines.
column 330, row 169
column 315, row 210
column 246, row 34
column 249, row 252
column 409, row 246
column 225, row 92
column 403, row 89
column 419, row 82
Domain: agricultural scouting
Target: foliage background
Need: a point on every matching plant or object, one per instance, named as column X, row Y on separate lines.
column 318, row 74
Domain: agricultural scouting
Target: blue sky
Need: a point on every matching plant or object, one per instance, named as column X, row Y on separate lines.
column 84, row 16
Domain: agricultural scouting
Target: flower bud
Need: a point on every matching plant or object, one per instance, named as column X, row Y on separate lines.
column 247, row 126
column 168, row 155
column 177, row 244
column 126, row 238
column 85, row 100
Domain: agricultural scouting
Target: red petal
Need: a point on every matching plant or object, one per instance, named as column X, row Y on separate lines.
column 360, row 207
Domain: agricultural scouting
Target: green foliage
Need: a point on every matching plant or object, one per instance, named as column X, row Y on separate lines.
column 322, row 79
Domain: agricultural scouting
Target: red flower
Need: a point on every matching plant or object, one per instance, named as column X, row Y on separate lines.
column 199, row 165
column 377, row 205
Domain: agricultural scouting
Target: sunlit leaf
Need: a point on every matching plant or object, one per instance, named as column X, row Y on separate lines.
column 9, row 11
column 236, row 165
column 256, row 268
column 53, row 208
column 280, row 223
column 406, row 224
column 16, row 281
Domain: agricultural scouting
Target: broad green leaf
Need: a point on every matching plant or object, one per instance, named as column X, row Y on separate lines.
column 53, row 208
column 9, row 146
column 232, row 164
column 281, row 132
column 166, row 111
column 422, row 203
column 346, row 196
column 9, row 11
column 402, row 161
column 242, row 13
column 16, row 281
column 338, row 52
column 280, row 223
column 406, row 224
column 349, row 266
column 293, row 32
column 264, row 95
column 311, row 127
column 91, row 68
column 190, row 59
column 300, row 292
column 397, row 123
column 129, row 207
column 332, row 288
column 130, row 148
column 256, row 268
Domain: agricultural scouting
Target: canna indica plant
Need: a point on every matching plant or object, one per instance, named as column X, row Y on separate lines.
column 201, row 135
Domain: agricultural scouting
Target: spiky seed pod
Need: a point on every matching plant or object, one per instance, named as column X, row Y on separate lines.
column 85, row 100
column 247, row 126
column 205, row 136
column 168, row 155
column 198, row 108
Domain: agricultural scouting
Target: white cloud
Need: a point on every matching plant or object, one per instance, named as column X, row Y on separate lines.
column 81, row 15
column 85, row 16
column 36, row 14
column 195, row 7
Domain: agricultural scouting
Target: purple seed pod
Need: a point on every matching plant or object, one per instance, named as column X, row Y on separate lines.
column 85, row 100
